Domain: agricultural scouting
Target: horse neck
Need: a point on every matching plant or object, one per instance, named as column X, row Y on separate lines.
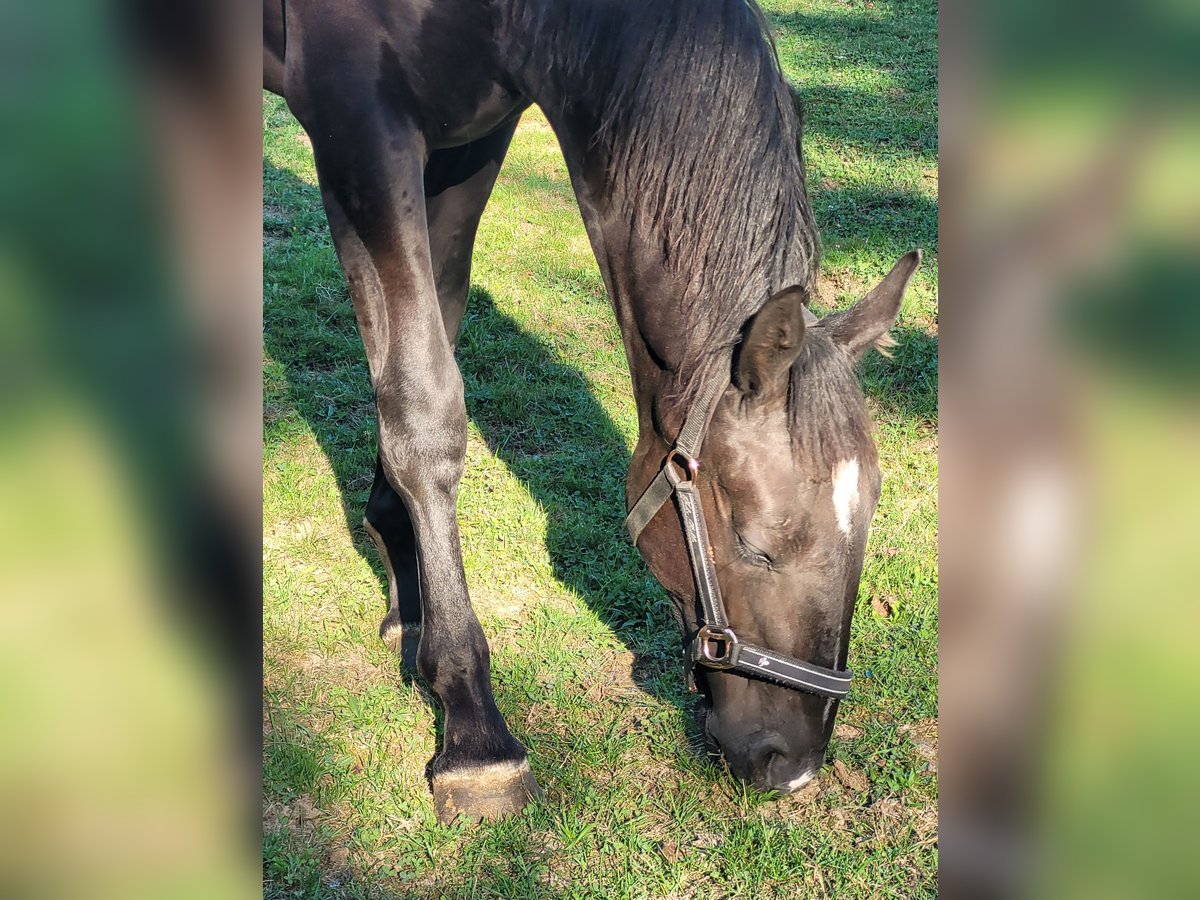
column 644, row 292
column 681, row 141
column 672, row 349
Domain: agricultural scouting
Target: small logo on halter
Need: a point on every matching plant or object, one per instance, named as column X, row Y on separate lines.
column 763, row 661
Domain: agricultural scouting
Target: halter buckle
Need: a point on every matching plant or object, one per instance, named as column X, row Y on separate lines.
column 716, row 648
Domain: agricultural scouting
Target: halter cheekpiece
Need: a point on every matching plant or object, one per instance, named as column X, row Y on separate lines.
column 715, row 645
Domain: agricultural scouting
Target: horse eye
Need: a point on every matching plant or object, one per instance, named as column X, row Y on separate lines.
column 753, row 554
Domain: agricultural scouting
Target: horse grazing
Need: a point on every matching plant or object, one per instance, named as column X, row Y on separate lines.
column 755, row 473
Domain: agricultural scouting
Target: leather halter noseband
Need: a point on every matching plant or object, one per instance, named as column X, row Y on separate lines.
column 715, row 644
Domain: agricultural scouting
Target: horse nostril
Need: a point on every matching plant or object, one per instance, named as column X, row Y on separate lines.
column 766, row 752
column 788, row 784
column 788, row 775
column 773, row 768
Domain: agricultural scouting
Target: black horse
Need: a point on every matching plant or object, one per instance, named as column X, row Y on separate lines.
column 682, row 139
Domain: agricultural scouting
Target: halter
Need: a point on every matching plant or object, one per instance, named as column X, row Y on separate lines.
column 715, row 644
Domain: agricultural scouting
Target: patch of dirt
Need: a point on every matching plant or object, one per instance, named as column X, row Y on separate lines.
column 833, row 285
column 706, row 840
column 806, row 795
column 285, row 533
column 925, row 823
column 854, row 781
column 297, row 816
column 670, row 852
column 275, row 218
column 843, row 819
column 927, row 445
column 275, row 816
column 846, row 732
column 508, row 605
column 349, row 668
column 889, row 820
column 883, row 605
column 303, row 810
column 924, row 738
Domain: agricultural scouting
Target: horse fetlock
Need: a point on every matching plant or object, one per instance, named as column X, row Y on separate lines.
column 483, row 792
column 393, row 630
column 401, row 637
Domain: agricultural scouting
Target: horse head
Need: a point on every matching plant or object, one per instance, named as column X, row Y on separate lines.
column 787, row 479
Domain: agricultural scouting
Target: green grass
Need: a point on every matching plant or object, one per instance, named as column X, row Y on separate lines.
column 585, row 657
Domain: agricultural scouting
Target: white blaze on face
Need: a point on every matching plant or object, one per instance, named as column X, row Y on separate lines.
column 845, row 493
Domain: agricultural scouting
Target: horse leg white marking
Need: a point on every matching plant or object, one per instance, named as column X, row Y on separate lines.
column 845, row 493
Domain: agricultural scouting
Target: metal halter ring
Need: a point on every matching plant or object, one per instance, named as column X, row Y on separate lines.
column 717, row 648
column 678, row 461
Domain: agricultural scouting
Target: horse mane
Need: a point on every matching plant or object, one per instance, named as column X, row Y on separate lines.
column 701, row 131
column 829, row 421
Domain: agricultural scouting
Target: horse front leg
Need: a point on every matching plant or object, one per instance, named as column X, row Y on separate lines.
column 457, row 184
column 371, row 183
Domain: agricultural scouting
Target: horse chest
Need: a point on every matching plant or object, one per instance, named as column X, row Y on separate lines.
column 446, row 76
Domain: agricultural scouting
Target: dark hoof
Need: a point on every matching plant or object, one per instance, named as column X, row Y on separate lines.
column 484, row 792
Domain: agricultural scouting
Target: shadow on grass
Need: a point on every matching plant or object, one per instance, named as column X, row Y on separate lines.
column 536, row 414
column 900, row 39
column 906, row 384
column 890, row 223
column 882, row 123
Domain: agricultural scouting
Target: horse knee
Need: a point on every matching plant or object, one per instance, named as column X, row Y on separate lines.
column 424, row 447
column 423, row 473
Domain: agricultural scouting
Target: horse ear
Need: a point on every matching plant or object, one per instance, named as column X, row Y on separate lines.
column 771, row 344
column 867, row 322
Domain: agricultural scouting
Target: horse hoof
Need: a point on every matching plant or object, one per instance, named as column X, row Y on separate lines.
column 484, row 792
column 391, row 631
